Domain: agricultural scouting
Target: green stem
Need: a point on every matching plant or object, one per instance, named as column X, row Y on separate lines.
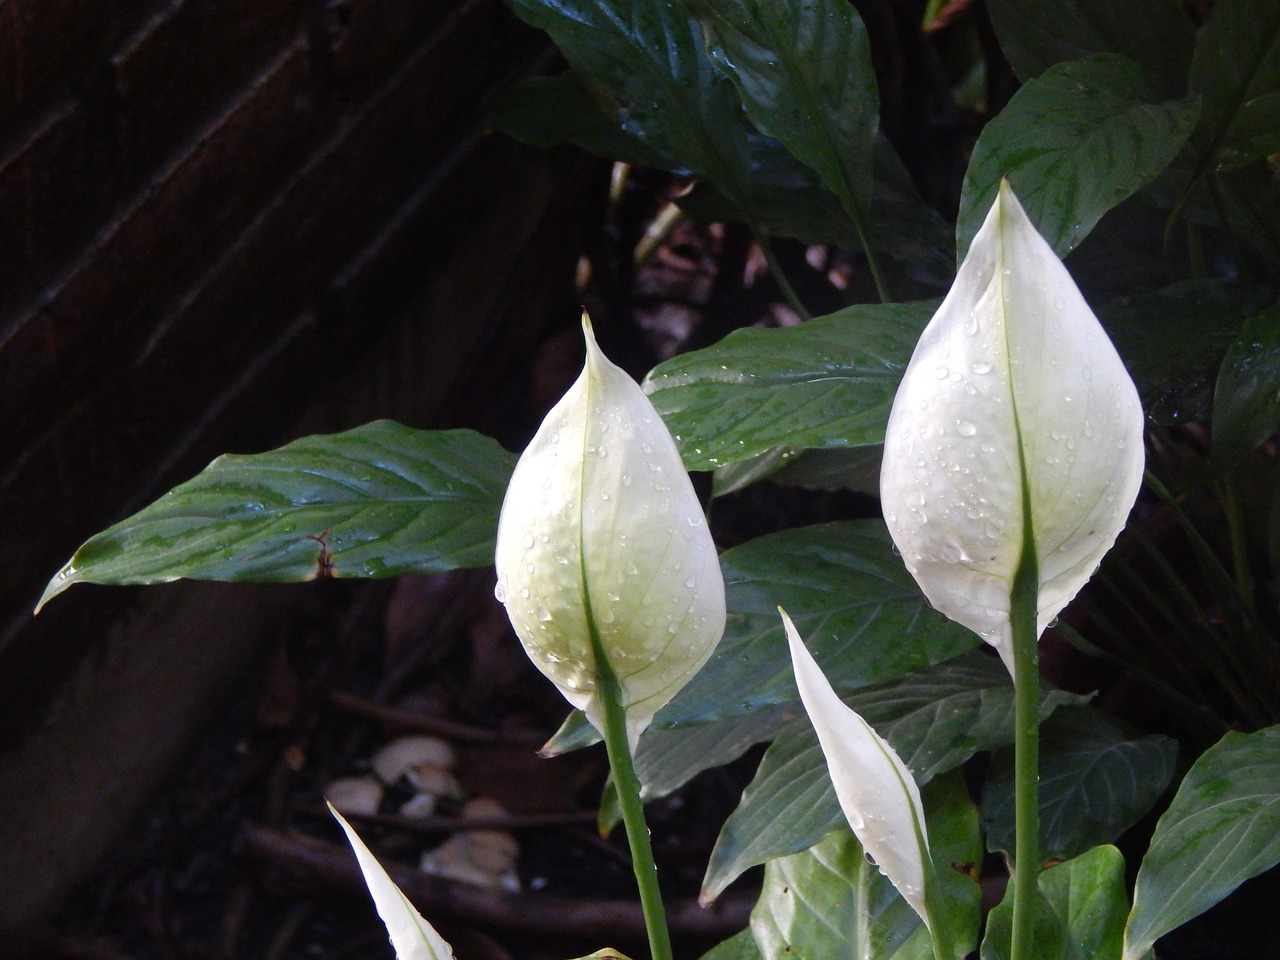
column 1023, row 604
column 627, row 785
column 775, row 268
column 939, row 926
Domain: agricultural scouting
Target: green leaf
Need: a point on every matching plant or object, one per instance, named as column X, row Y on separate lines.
column 377, row 501
column 1151, row 331
column 846, row 591
column 649, row 61
column 803, row 69
column 1095, row 783
column 1246, row 400
column 825, row 383
column 1048, row 941
column 549, row 111
column 1080, row 911
column 669, row 758
column 935, row 719
column 1088, row 895
column 1236, row 70
column 834, row 468
column 1222, row 828
column 790, row 199
column 829, row 901
column 741, row 946
column 1036, row 34
column 1074, row 143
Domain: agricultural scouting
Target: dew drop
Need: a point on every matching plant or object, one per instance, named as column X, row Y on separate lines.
column 966, row 428
column 942, row 373
column 528, row 540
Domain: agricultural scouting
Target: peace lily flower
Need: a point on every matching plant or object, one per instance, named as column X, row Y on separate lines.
column 411, row 936
column 1015, row 414
column 876, row 791
column 601, row 531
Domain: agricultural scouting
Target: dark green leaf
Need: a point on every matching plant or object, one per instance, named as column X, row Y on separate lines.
column 1036, row 34
column 549, row 111
column 835, row 468
column 789, row 199
column 1236, row 70
column 1246, row 400
column 1074, row 143
column 860, row 612
column 669, row 758
column 649, row 60
column 803, row 69
column 1152, row 333
column 1222, row 828
column 826, row 383
column 830, row 902
column 935, row 719
column 1048, row 941
column 1095, row 783
column 378, row 501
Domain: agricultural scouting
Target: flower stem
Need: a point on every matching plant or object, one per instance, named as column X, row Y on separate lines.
column 1026, row 746
column 627, row 785
column 939, row 919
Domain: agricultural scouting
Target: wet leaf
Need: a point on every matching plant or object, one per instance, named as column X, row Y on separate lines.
column 1246, row 400
column 1236, row 71
column 825, row 383
column 1095, row 783
column 378, row 501
column 1222, row 828
column 1074, row 142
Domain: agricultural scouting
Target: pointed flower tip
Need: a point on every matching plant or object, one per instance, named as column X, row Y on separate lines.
column 876, row 791
column 1013, row 385
column 602, row 544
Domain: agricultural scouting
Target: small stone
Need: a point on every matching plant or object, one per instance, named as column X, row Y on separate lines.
column 397, row 757
column 360, row 796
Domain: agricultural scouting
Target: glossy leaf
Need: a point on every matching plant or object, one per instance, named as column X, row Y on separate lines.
column 825, row 383
column 411, row 936
column 1095, row 783
column 849, row 595
column 790, row 199
column 650, row 62
column 604, row 560
column 828, row 901
column 1074, row 142
column 1080, row 911
column 935, row 718
column 1151, row 330
column 1236, row 70
column 378, row 501
column 1246, row 401
column 1222, row 828
column 669, row 758
column 1036, row 34
column 1016, row 428
column 803, row 70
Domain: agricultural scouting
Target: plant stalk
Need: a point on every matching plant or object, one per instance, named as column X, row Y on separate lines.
column 1026, row 744
column 779, row 276
column 627, row 785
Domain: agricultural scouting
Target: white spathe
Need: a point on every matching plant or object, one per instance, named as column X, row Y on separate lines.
column 411, row 936
column 876, row 791
column 1013, row 383
column 601, row 525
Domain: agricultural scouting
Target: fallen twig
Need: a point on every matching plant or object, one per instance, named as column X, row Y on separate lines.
column 317, row 863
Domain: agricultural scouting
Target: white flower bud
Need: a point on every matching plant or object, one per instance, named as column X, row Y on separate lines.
column 1013, row 388
column 877, row 793
column 601, row 530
